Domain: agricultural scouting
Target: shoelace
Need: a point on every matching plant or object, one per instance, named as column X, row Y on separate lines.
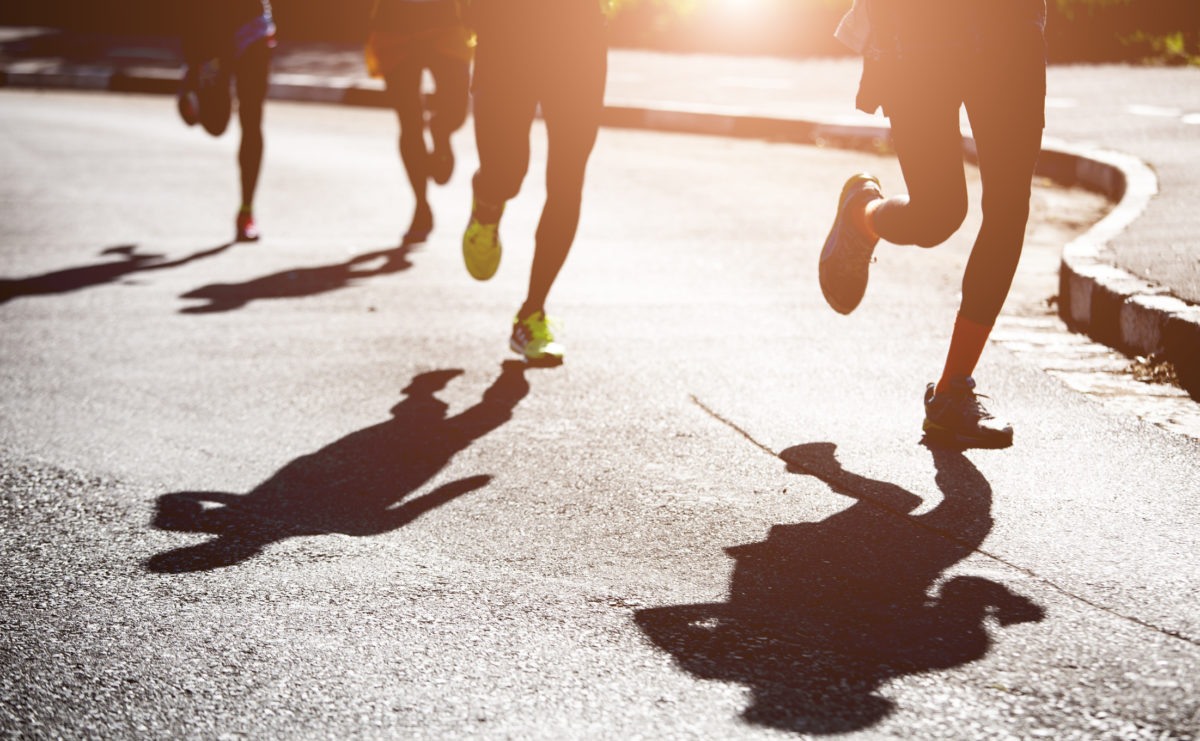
column 540, row 330
column 974, row 404
column 485, row 228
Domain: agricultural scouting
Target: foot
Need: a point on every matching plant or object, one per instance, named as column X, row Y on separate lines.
column 421, row 226
column 533, row 339
column 441, row 162
column 247, row 230
column 958, row 415
column 481, row 241
column 189, row 107
column 847, row 253
column 215, row 103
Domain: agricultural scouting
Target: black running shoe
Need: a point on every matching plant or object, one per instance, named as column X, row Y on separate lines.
column 957, row 415
column 846, row 256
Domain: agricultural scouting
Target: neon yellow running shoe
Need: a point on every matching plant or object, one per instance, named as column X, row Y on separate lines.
column 533, row 339
column 481, row 243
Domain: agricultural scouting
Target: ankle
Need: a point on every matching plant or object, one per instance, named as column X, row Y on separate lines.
column 486, row 213
column 528, row 310
column 864, row 213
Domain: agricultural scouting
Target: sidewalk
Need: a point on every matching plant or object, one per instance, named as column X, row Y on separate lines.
column 1132, row 282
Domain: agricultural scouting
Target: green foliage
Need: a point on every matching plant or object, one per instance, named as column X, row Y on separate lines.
column 1153, row 31
column 1069, row 8
column 1177, row 48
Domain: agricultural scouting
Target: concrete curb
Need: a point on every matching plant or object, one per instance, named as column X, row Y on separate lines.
column 1095, row 297
column 1111, row 305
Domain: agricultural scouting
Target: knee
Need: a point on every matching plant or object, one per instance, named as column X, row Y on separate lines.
column 937, row 223
column 1010, row 213
column 497, row 187
column 250, row 117
column 252, row 138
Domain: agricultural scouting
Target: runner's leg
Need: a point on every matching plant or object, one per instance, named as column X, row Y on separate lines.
column 1006, row 105
column 505, row 103
column 1008, row 136
column 252, row 73
column 572, row 104
column 451, row 76
column 928, row 145
column 505, row 97
column 404, row 92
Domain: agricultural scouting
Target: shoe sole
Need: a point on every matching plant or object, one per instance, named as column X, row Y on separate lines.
column 546, row 361
column 859, row 262
column 945, row 434
column 477, row 275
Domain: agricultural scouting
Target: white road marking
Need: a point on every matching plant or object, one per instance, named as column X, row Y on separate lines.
column 1153, row 111
column 756, row 83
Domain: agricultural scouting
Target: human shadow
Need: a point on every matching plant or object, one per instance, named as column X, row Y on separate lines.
column 820, row 615
column 301, row 282
column 87, row 276
column 355, row 486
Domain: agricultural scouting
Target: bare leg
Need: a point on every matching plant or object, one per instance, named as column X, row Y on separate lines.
column 449, row 112
column 404, row 89
column 252, row 72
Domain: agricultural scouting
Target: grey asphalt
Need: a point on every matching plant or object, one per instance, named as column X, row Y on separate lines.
column 655, row 571
column 293, row 489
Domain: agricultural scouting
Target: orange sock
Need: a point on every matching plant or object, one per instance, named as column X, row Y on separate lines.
column 966, row 345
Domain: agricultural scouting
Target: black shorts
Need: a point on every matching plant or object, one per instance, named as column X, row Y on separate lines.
column 996, row 53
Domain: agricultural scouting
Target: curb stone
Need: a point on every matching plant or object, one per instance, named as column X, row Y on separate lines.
column 1096, row 298
column 1111, row 305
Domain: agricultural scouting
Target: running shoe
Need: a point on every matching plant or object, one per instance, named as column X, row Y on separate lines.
column 958, row 415
column 189, row 107
column 533, row 339
column 846, row 256
column 247, row 230
column 481, row 242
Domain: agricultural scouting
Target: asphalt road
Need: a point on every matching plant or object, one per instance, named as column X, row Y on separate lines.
column 294, row 488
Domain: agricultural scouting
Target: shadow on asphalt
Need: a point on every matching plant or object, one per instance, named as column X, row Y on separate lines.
column 301, row 282
column 87, row 276
column 354, row 486
column 822, row 614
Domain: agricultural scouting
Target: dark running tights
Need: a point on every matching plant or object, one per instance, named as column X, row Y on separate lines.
column 568, row 80
column 929, row 147
column 448, row 110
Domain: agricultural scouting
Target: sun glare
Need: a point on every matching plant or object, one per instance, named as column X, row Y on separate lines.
column 740, row 6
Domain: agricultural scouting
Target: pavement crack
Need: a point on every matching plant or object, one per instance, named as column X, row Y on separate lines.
column 855, row 494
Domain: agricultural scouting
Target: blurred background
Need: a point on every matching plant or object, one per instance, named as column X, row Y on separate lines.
column 1139, row 31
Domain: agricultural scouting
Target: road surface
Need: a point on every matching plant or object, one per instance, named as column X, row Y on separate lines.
column 298, row 488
